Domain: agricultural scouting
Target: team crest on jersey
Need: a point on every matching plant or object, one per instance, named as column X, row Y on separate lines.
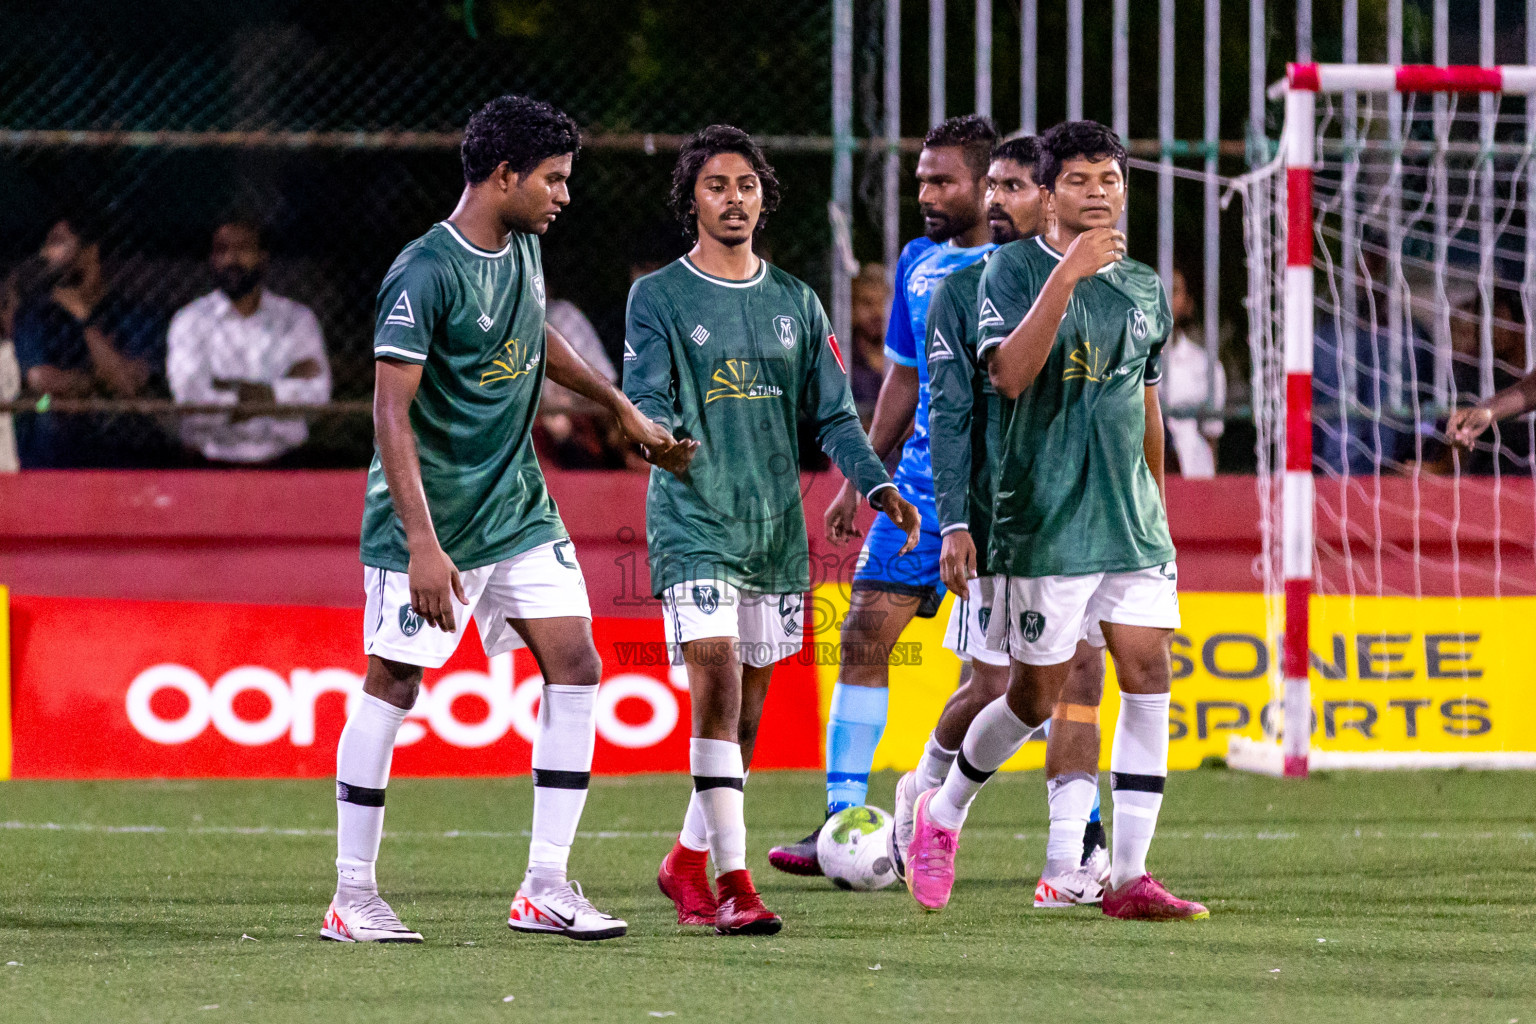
column 739, row 378
column 1139, row 326
column 410, row 622
column 538, row 288
column 1032, row 624
column 401, row 314
column 786, row 328
column 990, row 317
column 789, row 613
column 521, row 359
column 707, row 599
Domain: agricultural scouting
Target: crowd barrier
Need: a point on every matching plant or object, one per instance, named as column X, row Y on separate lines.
column 250, row 672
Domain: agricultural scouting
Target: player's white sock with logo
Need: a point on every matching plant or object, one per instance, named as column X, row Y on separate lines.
column 562, row 770
column 934, row 765
column 363, row 755
column 695, row 833
column 717, row 782
column 1138, row 768
column 994, row 737
column 1070, row 797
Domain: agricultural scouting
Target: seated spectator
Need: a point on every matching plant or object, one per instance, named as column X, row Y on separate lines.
column 242, row 344
column 871, row 303
column 1190, row 380
column 570, row 430
column 1509, row 443
column 76, row 338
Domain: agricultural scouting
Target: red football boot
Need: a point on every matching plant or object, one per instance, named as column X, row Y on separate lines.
column 684, row 879
column 741, row 910
column 1145, row 899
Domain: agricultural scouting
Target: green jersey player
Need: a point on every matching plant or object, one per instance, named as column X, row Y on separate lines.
column 964, row 424
column 457, row 521
column 729, row 352
column 1073, row 331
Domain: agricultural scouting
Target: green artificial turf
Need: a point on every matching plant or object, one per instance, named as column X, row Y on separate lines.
column 1350, row 897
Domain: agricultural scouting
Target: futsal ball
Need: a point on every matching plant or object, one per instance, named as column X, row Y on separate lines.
column 854, row 849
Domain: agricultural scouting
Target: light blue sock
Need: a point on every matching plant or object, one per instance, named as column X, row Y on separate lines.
column 854, row 727
column 1093, row 815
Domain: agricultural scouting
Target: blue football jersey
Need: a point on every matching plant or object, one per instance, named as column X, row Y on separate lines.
column 923, row 264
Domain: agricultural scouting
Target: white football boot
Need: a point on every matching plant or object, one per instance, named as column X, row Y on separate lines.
column 901, row 831
column 1076, row 888
column 563, row 911
column 364, row 918
column 1098, row 864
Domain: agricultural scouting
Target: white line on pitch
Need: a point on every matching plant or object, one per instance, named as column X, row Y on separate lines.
column 1176, row 834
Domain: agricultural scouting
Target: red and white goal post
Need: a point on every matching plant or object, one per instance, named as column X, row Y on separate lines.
column 1392, row 272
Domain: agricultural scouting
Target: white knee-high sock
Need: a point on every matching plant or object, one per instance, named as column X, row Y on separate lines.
column 695, row 833
column 717, row 782
column 1070, row 796
column 994, row 737
column 1138, row 766
column 934, row 765
column 562, row 770
column 363, row 756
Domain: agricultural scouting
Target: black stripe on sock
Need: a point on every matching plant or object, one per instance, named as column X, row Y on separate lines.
column 703, row 782
column 970, row 771
column 551, row 778
column 360, row 795
column 1137, row 783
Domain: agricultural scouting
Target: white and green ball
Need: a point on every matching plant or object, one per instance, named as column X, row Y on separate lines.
column 854, row 849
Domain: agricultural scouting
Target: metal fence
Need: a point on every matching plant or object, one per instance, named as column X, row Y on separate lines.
column 336, row 125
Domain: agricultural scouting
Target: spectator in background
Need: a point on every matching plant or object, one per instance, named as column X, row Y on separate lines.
column 1191, row 379
column 242, row 344
column 871, row 303
column 575, row 434
column 1510, row 443
column 10, row 371
column 76, row 338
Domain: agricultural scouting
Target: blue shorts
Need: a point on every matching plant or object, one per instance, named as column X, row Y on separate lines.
column 882, row 568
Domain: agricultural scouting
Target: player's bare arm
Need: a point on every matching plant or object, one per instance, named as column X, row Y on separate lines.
column 565, row 367
column 1465, row 425
column 892, row 421
column 1152, row 440
column 434, row 578
column 1016, row 362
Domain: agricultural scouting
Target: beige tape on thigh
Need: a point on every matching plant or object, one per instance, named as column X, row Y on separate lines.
column 1081, row 713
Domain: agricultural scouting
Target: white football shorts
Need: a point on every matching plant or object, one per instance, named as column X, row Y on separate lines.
column 541, row 583
column 1039, row 620
column 966, row 633
column 766, row 627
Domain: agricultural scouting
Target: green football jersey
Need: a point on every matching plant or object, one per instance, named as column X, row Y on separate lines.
column 733, row 364
column 963, row 414
column 1074, row 494
column 474, row 321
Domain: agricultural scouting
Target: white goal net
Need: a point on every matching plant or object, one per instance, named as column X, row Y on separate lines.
column 1392, row 279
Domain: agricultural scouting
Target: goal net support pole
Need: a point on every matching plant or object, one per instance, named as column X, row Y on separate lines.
column 1301, row 87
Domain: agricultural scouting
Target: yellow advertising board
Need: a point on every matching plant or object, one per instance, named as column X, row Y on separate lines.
column 1388, row 674
column 5, row 684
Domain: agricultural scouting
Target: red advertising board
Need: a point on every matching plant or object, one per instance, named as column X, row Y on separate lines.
column 135, row 689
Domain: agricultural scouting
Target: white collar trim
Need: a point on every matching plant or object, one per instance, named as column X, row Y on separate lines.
column 762, row 270
column 1047, row 247
column 466, row 243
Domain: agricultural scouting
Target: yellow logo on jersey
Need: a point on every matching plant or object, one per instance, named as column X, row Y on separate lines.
column 1086, row 363
column 738, row 379
column 520, row 360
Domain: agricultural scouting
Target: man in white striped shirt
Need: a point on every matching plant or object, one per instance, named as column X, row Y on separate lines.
column 242, row 344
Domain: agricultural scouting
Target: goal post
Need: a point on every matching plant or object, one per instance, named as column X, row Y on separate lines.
column 1388, row 242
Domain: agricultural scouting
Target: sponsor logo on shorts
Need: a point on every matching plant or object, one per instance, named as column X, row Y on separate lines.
column 789, row 613
column 707, row 599
column 410, row 622
column 1032, row 624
